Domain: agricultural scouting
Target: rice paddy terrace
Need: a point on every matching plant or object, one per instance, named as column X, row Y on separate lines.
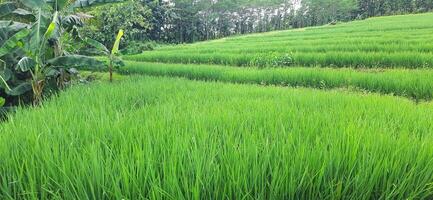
column 384, row 42
column 332, row 112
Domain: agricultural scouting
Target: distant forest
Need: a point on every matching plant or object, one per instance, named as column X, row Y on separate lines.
column 185, row 21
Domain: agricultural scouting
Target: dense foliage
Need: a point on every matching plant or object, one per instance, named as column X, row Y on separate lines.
column 108, row 19
column 33, row 60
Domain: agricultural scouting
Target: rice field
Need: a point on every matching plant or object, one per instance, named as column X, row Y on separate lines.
column 415, row 84
column 350, row 117
column 383, row 42
column 166, row 138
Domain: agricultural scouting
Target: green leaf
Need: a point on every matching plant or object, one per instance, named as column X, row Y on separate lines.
column 35, row 35
column 13, row 42
column 6, row 74
column 76, row 61
column 5, row 24
column 22, row 12
column 51, row 72
column 51, row 27
column 2, row 102
column 7, row 8
column 26, row 64
column 115, row 49
column 91, row 51
column 99, row 46
column 34, row 4
column 72, row 20
column 20, row 89
column 39, row 27
column 11, row 26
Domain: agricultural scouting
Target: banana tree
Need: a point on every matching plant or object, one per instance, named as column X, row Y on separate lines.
column 31, row 54
column 113, row 59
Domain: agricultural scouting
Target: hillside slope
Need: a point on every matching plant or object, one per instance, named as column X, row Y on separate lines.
column 382, row 42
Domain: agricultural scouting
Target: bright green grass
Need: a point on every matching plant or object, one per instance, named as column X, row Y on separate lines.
column 397, row 41
column 163, row 138
column 416, row 84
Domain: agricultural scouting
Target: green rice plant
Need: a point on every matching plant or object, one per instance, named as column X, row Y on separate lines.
column 388, row 42
column 332, row 59
column 272, row 59
column 416, row 84
column 177, row 139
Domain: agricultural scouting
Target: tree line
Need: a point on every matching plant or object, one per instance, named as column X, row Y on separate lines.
column 184, row 21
